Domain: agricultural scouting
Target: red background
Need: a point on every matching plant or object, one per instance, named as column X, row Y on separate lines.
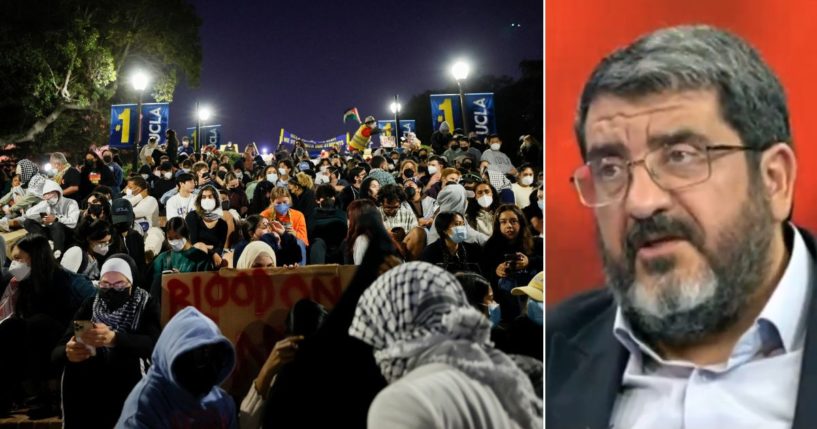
column 580, row 32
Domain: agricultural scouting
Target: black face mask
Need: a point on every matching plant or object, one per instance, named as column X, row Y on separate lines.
column 225, row 205
column 409, row 173
column 114, row 299
column 467, row 165
column 94, row 209
column 107, row 159
column 89, row 163
column 222, row 175
column 411, row 192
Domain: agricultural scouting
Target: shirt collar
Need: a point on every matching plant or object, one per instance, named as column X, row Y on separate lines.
column 785, row 310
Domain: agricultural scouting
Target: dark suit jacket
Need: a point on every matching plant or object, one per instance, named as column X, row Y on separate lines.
column 585, row 363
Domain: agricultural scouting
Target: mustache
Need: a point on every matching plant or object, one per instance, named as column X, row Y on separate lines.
column 658, row 227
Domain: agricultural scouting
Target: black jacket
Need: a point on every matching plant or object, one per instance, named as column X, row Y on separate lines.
column 585, row 363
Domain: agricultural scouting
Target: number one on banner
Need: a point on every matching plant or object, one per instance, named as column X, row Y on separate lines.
column 448, row 111
column 125, row 127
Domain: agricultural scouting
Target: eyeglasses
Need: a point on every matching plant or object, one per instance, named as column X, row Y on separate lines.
column 605, row 180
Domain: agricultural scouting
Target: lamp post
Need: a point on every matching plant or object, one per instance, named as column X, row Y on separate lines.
column 460, row 70
column 139, row 81
column 203, row 113
column 395, row 109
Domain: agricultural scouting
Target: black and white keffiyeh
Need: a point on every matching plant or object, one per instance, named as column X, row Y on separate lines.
column 27, row 170
column 124, row 319
column 417, row 313
column 498, row 180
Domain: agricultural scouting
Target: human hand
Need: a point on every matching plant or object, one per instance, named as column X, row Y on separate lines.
column 425, row 222
column 277, row 227
column 521, row 261
column 203, row 247
column 48, row 220
column 389, row 262
column 291, row 266
column 282, row 353
column 100, row 335
column 76, row 352
column 502, row 270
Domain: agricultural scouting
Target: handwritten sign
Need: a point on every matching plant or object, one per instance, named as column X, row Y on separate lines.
column 250, row 306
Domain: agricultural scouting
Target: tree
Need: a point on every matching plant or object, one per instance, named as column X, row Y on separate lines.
column 63, row 63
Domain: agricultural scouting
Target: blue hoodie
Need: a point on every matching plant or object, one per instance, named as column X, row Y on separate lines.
column 158, row 401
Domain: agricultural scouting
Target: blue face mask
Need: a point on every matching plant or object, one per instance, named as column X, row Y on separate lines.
column 536, row 311
column 541, row 204
column 459, row 234
column 282, row 208
column 494, row 313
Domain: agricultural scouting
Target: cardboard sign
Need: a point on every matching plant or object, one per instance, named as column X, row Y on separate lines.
column 250, row 306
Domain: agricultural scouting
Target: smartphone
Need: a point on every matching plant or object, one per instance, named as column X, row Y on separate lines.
column 81, row 327
column 510, row 259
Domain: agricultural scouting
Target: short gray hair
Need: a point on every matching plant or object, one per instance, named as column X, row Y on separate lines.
column 751, row 97
column 59, row 157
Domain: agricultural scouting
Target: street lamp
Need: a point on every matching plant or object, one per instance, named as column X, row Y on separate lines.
column 395, row 109
column 203, row 114
column 460, row 71
column 139, row 80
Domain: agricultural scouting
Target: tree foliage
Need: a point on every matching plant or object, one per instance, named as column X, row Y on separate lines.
column 63, row 62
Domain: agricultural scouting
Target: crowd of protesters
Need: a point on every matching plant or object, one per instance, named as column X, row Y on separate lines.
column 446, row 304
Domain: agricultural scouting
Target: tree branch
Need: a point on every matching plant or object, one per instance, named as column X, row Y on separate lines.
column 41, row 125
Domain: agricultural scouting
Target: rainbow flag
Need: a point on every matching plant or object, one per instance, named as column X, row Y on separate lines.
column 351, row 113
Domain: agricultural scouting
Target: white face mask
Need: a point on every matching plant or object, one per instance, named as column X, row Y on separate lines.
column 541, row 204
column 272, row 178
column 239, row 176
column 208, row 204
column 145, row 176
column 432, row 169
column 485, row 201
column 53, row 201
column 167, row 175
column 282, row 171
column 20, row 270
column 128, row 192
column 495, row 146
column 178, row 244
column 100, row 249
column 527, row 180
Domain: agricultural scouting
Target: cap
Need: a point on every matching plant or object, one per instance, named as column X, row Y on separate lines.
column 369, row 119
column 533, row 289
column 121, row 211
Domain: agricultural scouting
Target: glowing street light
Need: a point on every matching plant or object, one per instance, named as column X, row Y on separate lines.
column 139, row 80
column 395, row 109
column 203, row 114
column 460, row 71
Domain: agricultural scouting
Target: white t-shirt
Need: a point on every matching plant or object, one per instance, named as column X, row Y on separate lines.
column 178, row 206
column 145, row 211
column 359, row 249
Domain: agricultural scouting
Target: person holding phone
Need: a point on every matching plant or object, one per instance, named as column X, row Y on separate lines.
column 514, row 257
column 105, row 349
column 293, row 221
column 207, row 227
column 183, row 256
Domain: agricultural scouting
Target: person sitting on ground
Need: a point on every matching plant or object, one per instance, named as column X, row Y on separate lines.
column 190, row 360
column 285, row 245
column 257, row 254
column 95, row 241
column 32, row 183
column 235, row 192
column 206, row 225
column 482, row 207
column 352, row 191
column 422, row 205
column 498, row 160
column 40, row 300
column 452, row 253
column 327, row 227
column 93, row 173
column 369, row 189
column 15, row 194
column 164, row 182
column 55, row 217
column 302, row 321
column 523, row 186
column 129, row 233
column 303, row 197
column 181, row 203
column 124, row 328
column 293, row 220
column 396, row 212
column 182, row 257
column 433, row 348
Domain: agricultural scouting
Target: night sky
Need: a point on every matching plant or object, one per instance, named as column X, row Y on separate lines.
column 299, row 65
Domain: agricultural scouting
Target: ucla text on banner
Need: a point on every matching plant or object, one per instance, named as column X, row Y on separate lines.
column 446, row 107
column 212, row 135
column 479, row 112
column 155, row 121
column 286, row 140
column 250, row 306
column 124, row 120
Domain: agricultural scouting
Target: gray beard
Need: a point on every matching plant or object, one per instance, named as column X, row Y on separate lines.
column 680, row 311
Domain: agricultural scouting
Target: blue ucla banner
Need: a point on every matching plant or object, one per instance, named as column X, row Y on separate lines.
column 287, row 141
column 406, row 125
column 124, row 120
column 155, row 121
column 446, row 108
column 479, row 112
column 211, row 134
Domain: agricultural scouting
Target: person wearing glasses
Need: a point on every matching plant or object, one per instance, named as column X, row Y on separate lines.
column 110, row 353
column 707, row 316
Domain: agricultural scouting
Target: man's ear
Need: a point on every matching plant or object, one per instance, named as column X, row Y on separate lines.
column 778, row 171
